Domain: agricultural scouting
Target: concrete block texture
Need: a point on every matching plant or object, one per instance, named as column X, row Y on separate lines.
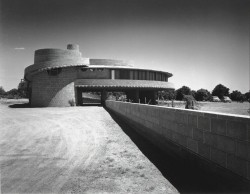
column 198, row 134
column 179, row 139
column 248, row 170
column 204, row 123
column 243, row 150
column 204, row 150
column 219, row 157
column 237, row 129
column 193, row 121
column 214, row 137
column 248, row 135
column 192, row 145
column 222, row 143
column 237, row 165
column 181, row 117
column 183, row 130
column 219, row 126
column 53, row 90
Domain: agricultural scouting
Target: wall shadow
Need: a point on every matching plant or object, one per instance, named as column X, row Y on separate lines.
column 25, row 105
column 91, row 104
column 186, row 176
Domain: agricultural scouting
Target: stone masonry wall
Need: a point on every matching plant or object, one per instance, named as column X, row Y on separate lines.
column 219, row 138
column 53, row 90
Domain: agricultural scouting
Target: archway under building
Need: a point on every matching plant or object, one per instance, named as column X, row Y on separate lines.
column 97, row 96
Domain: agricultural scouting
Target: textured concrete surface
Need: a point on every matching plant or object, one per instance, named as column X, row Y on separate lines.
column 71, row 150
column 211, row 136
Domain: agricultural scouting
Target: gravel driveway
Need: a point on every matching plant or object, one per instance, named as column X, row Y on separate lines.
column 71, row 150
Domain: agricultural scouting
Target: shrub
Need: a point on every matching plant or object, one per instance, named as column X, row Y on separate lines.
column 184, row 90
column 203, row 95
column 190, row 102
column 72, row 102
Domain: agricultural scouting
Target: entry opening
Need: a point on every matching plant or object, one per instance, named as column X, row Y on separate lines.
column 91, row 98
column 97, row 97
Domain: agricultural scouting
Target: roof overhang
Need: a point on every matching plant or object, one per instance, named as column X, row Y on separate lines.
column 122, row 84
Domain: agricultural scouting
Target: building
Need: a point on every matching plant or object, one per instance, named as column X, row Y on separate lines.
column 59, row 77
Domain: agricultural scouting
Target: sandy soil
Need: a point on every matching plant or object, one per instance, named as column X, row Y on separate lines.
column 71, row 150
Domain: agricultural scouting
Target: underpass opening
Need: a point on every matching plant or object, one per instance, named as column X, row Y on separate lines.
column 97, row 96
column 86, row 96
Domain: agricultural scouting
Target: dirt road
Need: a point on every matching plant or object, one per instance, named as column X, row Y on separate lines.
column 71, row 150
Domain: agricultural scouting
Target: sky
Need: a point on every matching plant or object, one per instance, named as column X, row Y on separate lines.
column 201, row 42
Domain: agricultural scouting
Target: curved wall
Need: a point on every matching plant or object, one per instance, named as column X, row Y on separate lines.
column 50, row 55
column 110, row 62
column 57, row 90
column 53, row 90
column 54, row 72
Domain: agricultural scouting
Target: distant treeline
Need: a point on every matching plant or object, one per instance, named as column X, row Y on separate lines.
column 20, row 92
column 203, row 94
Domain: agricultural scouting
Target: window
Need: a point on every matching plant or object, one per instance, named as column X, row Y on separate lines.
column 54, row 72
column 124, row 74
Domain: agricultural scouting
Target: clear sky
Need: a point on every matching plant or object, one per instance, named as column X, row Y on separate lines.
column 201, row 42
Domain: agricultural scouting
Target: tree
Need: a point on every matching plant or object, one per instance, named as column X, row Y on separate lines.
column 22, row 89
column 184, row 90
column 13, row 93
column 203, row 94
column 167, row 94
column 2, row 91
column 247, row 96
column 220, row 91
column 236, row 96
column 193, row 93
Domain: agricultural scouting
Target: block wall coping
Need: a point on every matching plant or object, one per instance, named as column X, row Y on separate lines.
column 199, row 112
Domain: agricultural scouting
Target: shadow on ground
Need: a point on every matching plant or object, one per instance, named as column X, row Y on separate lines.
column 25, row 105
column 184, row 175
column 91, row 104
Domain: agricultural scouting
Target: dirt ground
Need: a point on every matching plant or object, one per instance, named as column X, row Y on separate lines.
column 220, row 107
column 231, row 108
column 71, row 150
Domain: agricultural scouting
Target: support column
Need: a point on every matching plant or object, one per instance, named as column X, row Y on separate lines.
column 79, row 97
column 104, row 96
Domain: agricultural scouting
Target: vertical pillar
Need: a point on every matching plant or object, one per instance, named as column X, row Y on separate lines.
column 79, row 97
column 112, row 74
column 104, row 96
column 154, row 97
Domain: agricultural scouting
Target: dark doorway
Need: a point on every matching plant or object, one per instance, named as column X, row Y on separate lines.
column 97, row 97
column 88, row 97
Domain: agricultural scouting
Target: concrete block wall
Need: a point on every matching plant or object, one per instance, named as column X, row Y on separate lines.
column 53, row 90
column 222, row 139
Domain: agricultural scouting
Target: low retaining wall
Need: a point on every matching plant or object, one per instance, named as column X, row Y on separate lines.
column 221, row 139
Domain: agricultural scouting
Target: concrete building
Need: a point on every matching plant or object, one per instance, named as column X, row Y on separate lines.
column 59, row 76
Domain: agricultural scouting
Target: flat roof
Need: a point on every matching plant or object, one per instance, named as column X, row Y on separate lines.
column 122, row 83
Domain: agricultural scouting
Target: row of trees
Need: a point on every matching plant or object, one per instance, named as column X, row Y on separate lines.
column 20, row 92
column 199, row 95
column 203, row 94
